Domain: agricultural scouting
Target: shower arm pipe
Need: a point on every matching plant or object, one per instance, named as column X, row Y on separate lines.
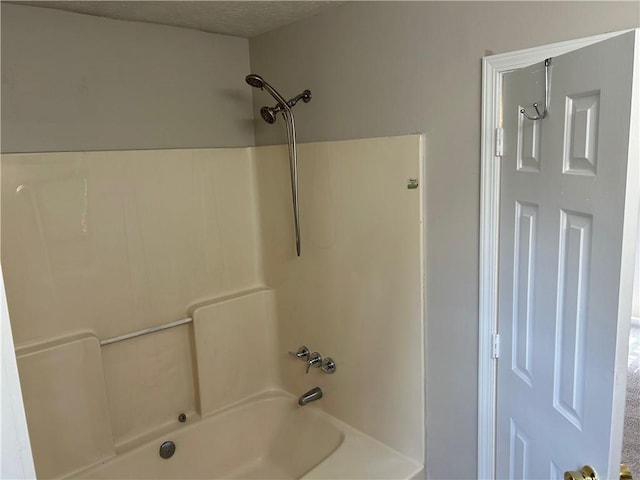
column 304, row 96
column 293, row 170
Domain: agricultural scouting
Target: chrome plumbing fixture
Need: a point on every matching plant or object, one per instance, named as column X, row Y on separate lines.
column 314, row 360
column 311, row 396
column 282, row 105
column 302, row 352
column 328, row 365
column 269, row 115
column 167, row 449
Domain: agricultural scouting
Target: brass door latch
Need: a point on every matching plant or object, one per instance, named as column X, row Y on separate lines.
column 625, row 472
column 586, row 473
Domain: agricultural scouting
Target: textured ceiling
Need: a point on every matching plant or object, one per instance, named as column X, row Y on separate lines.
column 239, row 18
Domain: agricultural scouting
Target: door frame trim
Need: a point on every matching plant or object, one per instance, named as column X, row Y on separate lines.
column 493, row 68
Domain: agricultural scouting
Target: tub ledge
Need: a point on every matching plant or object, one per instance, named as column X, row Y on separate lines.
column 362, row 457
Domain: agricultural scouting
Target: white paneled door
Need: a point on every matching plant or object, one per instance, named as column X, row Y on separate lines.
column 565, row 262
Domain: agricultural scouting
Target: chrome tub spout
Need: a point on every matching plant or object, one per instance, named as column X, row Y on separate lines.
column 310, row 396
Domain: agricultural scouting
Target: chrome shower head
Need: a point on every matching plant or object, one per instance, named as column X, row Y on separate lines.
column 269, row 114
column 258, row 82
column 255, row 80
column 282, row 105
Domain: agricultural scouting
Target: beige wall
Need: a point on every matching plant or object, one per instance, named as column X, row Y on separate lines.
column 76, row 82
column 389, row 68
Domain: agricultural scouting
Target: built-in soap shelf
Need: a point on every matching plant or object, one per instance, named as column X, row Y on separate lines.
column 314, row 359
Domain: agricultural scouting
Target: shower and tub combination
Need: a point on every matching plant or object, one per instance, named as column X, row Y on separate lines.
column 90, row 283
column 243, row 435
column 263, row 438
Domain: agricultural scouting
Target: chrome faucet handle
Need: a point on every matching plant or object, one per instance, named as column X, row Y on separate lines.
column 315, row 359
column 328, row 365
column 303, row 352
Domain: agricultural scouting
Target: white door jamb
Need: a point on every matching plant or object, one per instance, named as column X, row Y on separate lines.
column 493, row 68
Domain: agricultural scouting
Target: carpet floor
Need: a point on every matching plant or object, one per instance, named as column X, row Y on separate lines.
column 631, row 442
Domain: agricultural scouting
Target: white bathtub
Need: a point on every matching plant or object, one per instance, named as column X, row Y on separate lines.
column 268, row 437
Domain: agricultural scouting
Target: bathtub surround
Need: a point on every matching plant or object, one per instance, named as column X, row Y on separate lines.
column 356, row 292
column 100, row 244
column 243, row 363
column 107, row 243
column 65, row 398
column 114, row 242
column 150, row 380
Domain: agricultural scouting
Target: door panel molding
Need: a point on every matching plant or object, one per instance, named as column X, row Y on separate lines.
column 493, row 68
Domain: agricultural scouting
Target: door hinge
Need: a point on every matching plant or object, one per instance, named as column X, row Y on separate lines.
column 495, row 347
column 499, row 144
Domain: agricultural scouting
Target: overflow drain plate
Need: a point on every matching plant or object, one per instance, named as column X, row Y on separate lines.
column 167, row 449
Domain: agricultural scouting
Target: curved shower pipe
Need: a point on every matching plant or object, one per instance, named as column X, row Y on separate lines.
column 269, row 115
